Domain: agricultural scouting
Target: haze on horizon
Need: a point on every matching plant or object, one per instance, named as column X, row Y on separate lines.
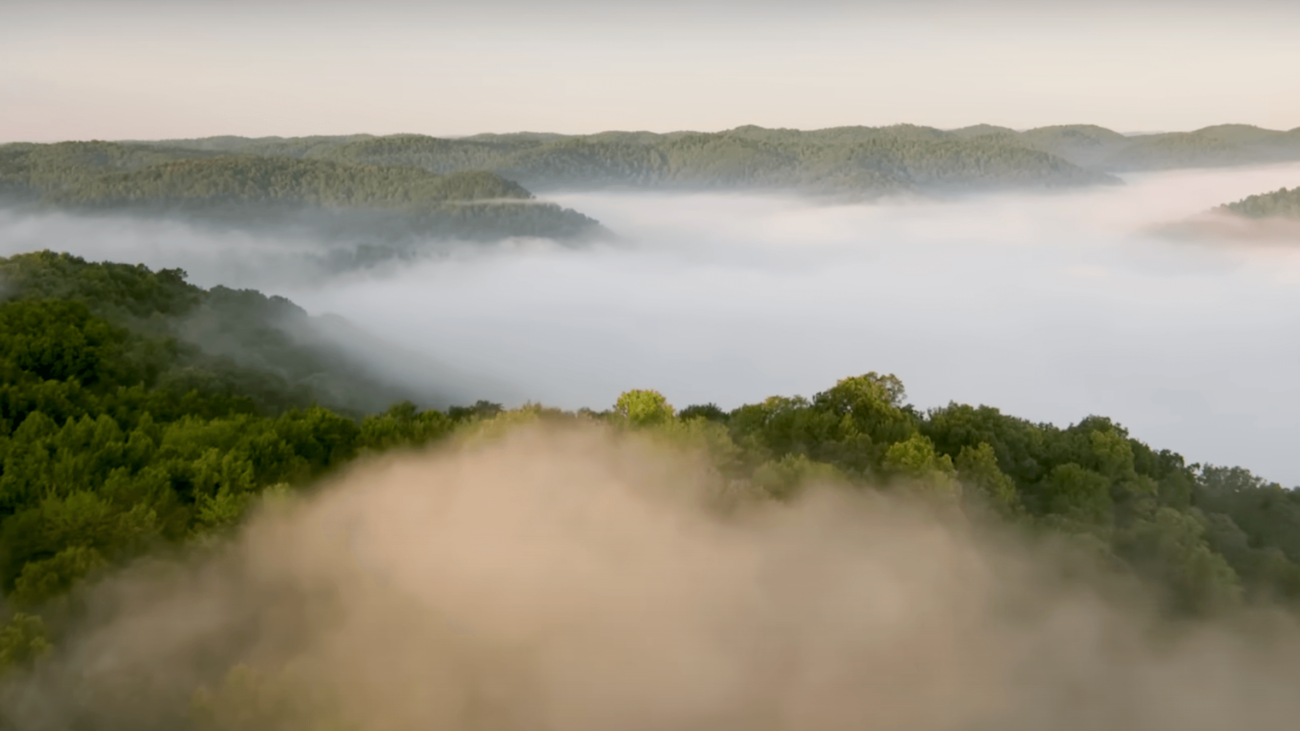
column 149, row 70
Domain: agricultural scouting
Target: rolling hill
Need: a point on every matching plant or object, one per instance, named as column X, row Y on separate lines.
column 386, row 204
column 860, row 162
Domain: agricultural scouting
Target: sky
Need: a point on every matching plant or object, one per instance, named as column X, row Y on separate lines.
column 151, row 70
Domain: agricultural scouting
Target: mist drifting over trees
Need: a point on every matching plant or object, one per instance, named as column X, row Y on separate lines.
column 895, row 426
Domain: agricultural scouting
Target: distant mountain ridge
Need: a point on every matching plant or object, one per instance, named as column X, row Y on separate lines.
column 856, row 161
column 360, row 200
column 1098, row 148
column 845, row 160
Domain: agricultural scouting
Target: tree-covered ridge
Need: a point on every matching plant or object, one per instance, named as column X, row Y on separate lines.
column 1217, row 146
column 383, row 204
column 1282, row 203
column 251, row 179
column 403, row 171
column 847, row 160
column 1098, row 148
column 269, row 146
column 179, row 339
column 32, row 170
column 843, row 160
column 1083, row 144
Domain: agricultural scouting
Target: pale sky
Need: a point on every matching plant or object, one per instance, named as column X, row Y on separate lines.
column 149, row 70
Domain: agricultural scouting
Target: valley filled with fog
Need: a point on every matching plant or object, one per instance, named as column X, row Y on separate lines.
column 1049, row 306
column 711, row 365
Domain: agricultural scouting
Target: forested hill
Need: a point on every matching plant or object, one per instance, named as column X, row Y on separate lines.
column 247, row 179
column 119, row 439
column 864, row 161
column 1098, row 148
column 1222, row 145
column 375, row 202
column 444, row 186
column 1281, row 203
column 237, row 349
column 855, row 161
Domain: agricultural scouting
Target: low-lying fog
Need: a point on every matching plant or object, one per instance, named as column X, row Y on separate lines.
column 1050, row 307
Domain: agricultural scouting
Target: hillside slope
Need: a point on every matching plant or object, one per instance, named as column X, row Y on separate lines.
column 224, row 341
column 850, row 161
column 326, row 199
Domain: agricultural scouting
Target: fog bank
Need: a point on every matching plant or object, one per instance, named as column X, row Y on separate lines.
column 1050, row 307
column 570, row 579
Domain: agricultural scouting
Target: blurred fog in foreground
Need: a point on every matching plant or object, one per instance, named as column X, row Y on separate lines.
column 569, row 579
column 1050, row 307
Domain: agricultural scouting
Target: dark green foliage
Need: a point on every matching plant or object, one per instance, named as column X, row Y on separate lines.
column 1170, row 548
column 119, row 292
column 229, row 349
column 710, row 411
column 1206, row 537
column 480, row 410
column 1266, row 513
column 55, row 340
column 1015, row 442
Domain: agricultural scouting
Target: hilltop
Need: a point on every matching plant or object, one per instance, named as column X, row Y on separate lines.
column 423, row 176
column 1269, row 218
column 857, row 161
column 1098, row 148
column 391, row 204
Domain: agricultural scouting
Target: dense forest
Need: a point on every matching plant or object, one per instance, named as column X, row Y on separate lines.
column 861, row 161
column 263, row 352
column 372, row 204
column 1281, row 203
column 120, row 437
